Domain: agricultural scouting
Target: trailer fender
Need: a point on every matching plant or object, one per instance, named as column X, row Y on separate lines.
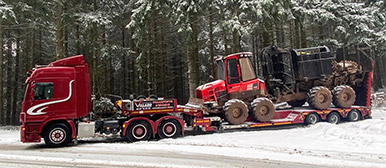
column 126, row 124
column 182, row 123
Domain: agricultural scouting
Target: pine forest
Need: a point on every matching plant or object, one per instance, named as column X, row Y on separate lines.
column 168, row 47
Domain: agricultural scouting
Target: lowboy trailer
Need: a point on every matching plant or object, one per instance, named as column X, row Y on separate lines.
column 57, row 107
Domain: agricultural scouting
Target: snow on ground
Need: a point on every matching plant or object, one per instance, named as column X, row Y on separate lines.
column 349, row 144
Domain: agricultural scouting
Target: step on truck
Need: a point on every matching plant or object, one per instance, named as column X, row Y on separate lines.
column 57, row 107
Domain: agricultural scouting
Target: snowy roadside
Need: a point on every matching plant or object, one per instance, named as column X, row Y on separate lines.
column 357, row 144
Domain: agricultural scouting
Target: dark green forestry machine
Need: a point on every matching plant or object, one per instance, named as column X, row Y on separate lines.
column 317, row 76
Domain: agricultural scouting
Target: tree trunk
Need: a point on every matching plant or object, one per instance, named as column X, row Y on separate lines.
column 9, row 83
column 124, row 89
column 297, row 40
column 59, row 30
column 193, row 60
column 211, row 45
column 16, row 86
column 1, row 75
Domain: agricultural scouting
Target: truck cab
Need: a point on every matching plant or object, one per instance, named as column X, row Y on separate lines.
column 56, row 94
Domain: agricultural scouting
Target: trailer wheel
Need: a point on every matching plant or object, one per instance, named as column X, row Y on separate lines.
column 57, row 135
column 263, row 109
column 169, row 128
column 153, row 97
column 141, row 97
column 344, row 96
column 354, row 115
column 312, row 118
column 139, row 130
column 333, row 118
column 319, row 97
column 297, row 103
column 236, row 111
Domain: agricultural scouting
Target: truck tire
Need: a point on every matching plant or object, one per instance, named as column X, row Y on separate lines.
column 333, row 118
column 263, row 109
column 169, row 128
column 235, row 111
column 344, row 96
column 139, row 130
column 57, row 135
column 297, row 103
column 354, row 115
column 311, row 118
column 319, row 97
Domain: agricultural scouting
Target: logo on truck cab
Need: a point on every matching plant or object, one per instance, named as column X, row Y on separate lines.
column 31, row 110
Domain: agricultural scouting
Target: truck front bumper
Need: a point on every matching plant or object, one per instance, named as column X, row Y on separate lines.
column 29, row 133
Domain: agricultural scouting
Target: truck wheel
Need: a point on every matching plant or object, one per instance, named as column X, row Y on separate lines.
column 139, row 131
column 263, row 109
column 297, row 103
column 169, row 128
column 312, row 118
column 344, row 96
column 353, row 115
column 57, row 135
column 319, row 98
column 333, row 118
column 236, row 111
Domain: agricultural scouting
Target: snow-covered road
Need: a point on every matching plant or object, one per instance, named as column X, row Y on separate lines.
column 358, row 144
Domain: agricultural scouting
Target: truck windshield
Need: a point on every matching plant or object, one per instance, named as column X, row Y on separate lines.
column 220, row 70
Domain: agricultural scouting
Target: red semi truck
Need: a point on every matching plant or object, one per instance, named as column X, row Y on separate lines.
column 57, row 107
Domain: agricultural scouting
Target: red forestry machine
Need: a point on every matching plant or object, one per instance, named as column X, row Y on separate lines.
column 292, row 76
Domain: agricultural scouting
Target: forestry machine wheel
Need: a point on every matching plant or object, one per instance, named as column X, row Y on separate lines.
column 319, row 97
column 263, row 109
column 236, row 111
column 344, row 96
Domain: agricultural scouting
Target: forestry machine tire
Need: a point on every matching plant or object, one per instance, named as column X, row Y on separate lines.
column 57, row 135
column 311, row 118
column 169, row 128
column 139, row 130
column 333, row 118
column 263, row 109
column 235, row 111
column 297, row 103
column 344, row 96
column 319, row 97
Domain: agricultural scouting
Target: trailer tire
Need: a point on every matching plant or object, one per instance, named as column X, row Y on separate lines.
column 57, row 135
column 333, row 118
column 153, row 97
column 139, row 130
column 169, row 128
column 344, row 96
column 297, row 103
column 311, row 118
column 262, row 109
column 235, row 111
column 319, row 97
column 141, row 97
column 354, row 115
